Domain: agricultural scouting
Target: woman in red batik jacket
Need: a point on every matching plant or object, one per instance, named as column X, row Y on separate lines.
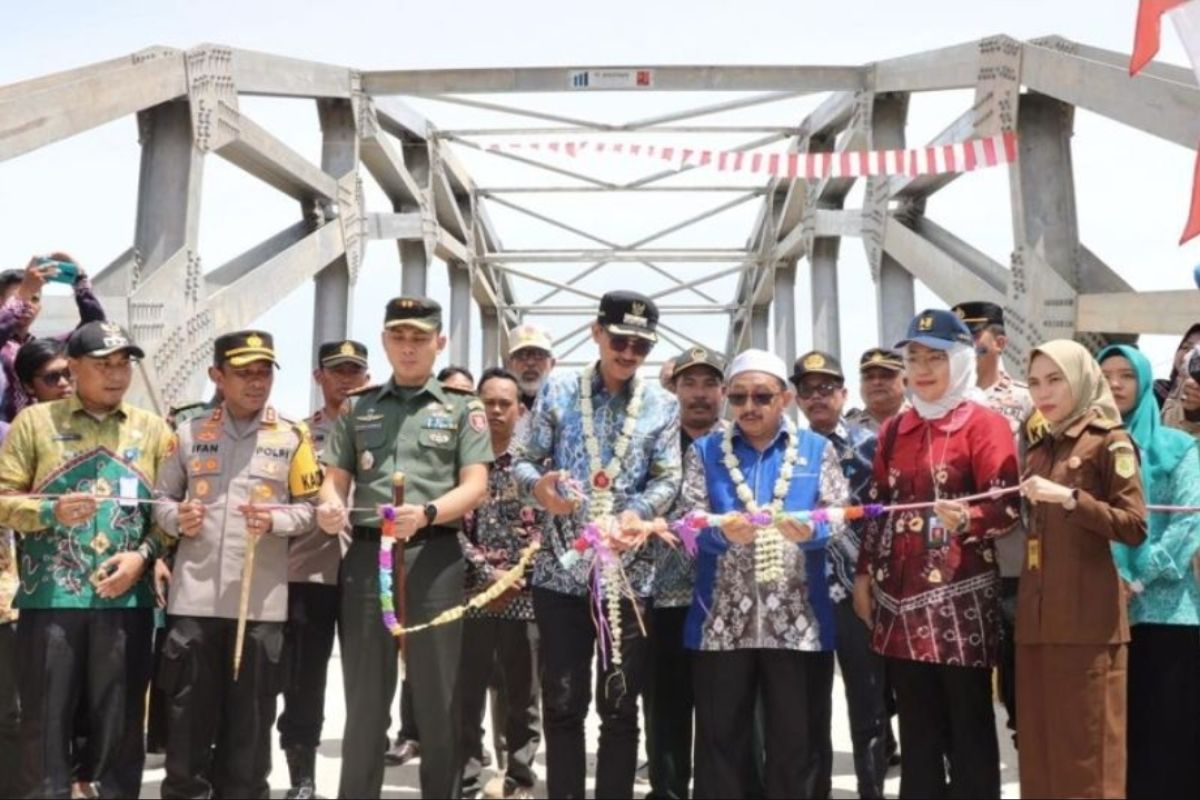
column 927, row 580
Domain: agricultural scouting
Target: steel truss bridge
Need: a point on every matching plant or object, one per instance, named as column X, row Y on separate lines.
column 187, row 107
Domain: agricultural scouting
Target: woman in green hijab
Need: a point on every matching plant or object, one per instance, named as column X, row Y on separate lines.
column 1164, row 613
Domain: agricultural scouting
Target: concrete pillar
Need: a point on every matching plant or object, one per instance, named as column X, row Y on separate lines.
column 489, row 322
column 894, row 303
column 826, row 324
column 459, row 331
column 785, row 312
column 760, row 326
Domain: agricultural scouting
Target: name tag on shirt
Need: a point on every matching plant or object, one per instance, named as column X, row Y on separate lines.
column 129, row 491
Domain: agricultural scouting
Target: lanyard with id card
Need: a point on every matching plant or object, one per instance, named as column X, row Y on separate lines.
column 128, row 486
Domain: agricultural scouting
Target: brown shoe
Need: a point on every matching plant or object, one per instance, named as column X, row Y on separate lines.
column 401, row 753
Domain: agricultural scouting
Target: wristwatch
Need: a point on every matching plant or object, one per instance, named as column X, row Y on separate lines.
column 431, row 512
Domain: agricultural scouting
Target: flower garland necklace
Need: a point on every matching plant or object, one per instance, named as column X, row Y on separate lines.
column 768, row 542
column 602, row 479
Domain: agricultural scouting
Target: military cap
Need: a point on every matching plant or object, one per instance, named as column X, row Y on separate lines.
column 244, row 347
column 421, row 313
column 698, row 357
column 100, row 339
column 880, row 357
column 816, row 363
column 629, row 314
column 978, row 315
column 937, row 328
column 343, row 351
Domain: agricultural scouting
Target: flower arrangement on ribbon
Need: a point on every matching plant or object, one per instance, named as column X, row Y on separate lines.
column 768, row 542
column 510, row 579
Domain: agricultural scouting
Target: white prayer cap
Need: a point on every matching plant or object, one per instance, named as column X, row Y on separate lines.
column 757, row 361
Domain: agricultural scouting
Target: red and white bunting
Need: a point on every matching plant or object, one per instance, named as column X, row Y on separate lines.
column 965, row 156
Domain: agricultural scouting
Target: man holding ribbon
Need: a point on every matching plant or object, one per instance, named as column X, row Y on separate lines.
column 761, row 619
column 438, row 441
column 241, row 479
column 616, row 436
column 87, row 542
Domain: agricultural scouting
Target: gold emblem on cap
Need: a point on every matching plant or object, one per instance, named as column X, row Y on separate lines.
column 925, row 323
column 638, row 309
column 876, row 357
column 699, row 354
column 407, row 303
column 254, row 340
column 814, row 361
column 347, row 349
column 111, row 328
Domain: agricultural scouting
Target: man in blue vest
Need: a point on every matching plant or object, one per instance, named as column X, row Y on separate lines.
column 761, row 618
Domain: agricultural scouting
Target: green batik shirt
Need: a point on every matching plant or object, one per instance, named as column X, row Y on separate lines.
column 56, row 448
column 427, row 433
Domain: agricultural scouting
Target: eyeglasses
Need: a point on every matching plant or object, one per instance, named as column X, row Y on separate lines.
column 641, row 347
column 55, row 377
column 822, row 389
column 761, row 399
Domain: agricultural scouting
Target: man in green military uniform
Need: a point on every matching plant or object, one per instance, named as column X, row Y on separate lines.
column 242, row 477
column 440, row 441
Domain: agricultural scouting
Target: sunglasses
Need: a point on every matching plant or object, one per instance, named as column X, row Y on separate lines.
column 641, row 347
column 761, row 399
column 821, row 389
column 55, row 377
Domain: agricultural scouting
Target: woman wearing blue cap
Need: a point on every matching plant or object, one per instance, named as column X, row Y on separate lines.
column 927, row 580
column 1164, row 613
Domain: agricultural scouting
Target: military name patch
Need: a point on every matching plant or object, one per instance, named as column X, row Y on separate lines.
column 440, row 423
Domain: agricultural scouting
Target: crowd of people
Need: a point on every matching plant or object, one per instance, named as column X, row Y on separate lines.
column 678, row 554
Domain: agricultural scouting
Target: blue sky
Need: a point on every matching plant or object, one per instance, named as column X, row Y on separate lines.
column 80, row 194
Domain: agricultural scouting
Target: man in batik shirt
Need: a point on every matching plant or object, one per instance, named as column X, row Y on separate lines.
column 761, row 619
column 617, row 436
column 86, row 605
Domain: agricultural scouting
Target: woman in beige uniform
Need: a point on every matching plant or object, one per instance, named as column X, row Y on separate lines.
column 1084, row 491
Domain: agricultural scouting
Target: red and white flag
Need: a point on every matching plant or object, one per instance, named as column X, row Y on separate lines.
column 1185, row 16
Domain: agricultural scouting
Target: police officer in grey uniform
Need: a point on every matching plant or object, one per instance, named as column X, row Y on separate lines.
column 242, row 476
column 440, row 441
column 313, row 565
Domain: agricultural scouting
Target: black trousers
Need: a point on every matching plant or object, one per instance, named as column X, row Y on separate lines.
column 219, row 729
column 568, row 647
column 946, row 721
column 727, row 685
column 514, row 644
column 1006, row 670
column 408, row 718
column 308, row 642
column 10, row 714
column 435, row 575
column 68, row 656
column 863, row 680
column 670, row 705
column 159, row 708
column 1163, row 734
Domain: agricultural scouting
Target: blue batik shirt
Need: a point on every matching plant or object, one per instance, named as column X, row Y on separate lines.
column 647, row 483
column 855, row 446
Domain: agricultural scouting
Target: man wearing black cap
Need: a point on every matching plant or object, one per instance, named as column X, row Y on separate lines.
column 85, row 599
column 1011, row 399
column 698, row 381
column 242, row 479
column 821, row 395
column 313, row 562
column 881, row 385
column 439, row 440
column 616, row 436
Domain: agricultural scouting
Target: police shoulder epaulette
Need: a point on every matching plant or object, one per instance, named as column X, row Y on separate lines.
column 1104, row 423
column 453, row 390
